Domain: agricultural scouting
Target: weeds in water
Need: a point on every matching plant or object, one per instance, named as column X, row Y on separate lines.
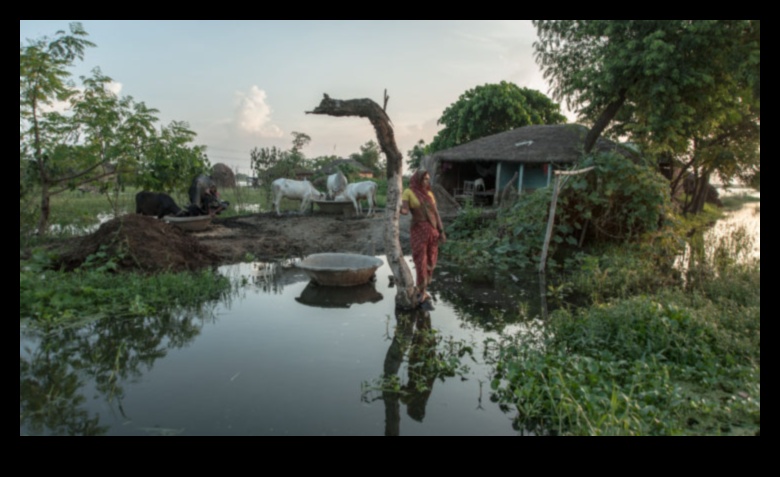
column 675, row 361
column 56, row 297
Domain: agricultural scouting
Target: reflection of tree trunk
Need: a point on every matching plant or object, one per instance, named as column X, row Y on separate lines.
column 393, row 360
column 367, row 108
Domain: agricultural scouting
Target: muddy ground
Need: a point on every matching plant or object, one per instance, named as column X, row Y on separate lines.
column 136, row 242
column 266, row 236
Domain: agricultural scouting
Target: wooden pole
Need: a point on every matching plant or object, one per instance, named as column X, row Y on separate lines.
column 369, row 109
column 560, row 180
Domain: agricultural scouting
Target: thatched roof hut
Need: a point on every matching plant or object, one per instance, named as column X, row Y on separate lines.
column 523, row 158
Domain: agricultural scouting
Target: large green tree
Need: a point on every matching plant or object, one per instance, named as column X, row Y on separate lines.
column 688, row 90
column 73, row 136
column 370, row 156
column 43, row 81
column 491, row 109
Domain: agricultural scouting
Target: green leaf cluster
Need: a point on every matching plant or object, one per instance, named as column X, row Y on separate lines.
column 491, row 109
column 686, row 91
column 74, row 136
column 671, row 363
column 619, row 201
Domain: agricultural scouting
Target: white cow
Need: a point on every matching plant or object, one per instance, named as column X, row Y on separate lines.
column 296, row 190
column 357, row 191
column 336, row 184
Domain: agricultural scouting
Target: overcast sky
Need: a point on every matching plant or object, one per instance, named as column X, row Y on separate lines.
column 246, row 84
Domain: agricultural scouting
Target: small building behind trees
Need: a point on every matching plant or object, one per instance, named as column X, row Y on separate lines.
column 522, row 158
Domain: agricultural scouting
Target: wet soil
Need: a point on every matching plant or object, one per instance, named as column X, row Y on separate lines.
column 149, row 245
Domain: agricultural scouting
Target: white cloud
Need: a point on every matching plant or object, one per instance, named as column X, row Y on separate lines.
column 115, row 87
column 253, row 114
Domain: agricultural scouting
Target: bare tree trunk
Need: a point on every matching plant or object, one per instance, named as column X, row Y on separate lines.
column 367, row 108
column 603, row 121
column 43, row 220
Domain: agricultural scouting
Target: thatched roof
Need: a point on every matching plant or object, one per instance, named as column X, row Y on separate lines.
column 223, row 175
column 561, row 143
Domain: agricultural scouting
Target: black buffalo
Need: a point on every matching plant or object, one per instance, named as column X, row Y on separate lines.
column 156, row 204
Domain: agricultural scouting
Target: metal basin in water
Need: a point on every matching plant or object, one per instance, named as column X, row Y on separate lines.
column 336, row 207
column 340, row 269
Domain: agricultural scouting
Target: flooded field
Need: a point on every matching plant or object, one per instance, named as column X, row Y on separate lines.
column 281, row 356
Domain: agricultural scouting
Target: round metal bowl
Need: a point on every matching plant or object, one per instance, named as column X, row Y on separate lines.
column 335, row 207
column 340, row 269
column 199, row 222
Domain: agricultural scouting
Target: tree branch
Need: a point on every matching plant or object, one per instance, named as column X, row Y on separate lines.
column 367, row 108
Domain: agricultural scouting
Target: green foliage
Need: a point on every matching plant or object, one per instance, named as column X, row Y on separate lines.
column 271, row 163
column 685, row 90
column 617, row 202
column 50, row 297
column 655, row 353
column 662, row 365
column 491, row 109
column 371, row 157
column 417, row 153
column 99, row 136
column 169, row 163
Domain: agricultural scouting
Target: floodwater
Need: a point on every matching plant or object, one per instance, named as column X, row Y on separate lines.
column 280, row 356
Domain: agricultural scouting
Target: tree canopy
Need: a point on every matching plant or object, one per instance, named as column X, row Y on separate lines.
column 491, row 109
column 370, row 156
column 71, row 136
column 683, row 89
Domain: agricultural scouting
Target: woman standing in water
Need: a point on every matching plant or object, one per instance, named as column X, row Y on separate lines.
column 426, row 232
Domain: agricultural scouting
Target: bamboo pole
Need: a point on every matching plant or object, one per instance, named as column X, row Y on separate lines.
column 560, row 180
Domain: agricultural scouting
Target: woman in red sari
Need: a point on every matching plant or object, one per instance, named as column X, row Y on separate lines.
column 426, row 232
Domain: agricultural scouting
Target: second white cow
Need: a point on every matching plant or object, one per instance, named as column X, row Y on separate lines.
column 358, row 191
column 336, row 184
column 296, row 190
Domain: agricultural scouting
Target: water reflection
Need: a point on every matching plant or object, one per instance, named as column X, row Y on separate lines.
column 491, row 303
column 271, row 277
column 59, row 368
column 276, row 357
column 413, row 334
column 338, row 297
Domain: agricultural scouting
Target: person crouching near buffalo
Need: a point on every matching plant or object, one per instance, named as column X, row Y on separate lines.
column 426, row 233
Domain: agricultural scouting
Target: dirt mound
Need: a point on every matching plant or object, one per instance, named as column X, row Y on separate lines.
column 140, row 243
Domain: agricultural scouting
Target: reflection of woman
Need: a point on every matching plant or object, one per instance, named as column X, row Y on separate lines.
column 427, row 229
column 413, row 334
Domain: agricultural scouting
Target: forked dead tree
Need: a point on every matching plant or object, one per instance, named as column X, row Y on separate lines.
column 367, row 108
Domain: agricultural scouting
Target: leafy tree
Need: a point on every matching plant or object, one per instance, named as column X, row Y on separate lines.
column 491, row 109
column 371, row 157
column 169, row 162
column 300, row 140
column 683, row 89
column 263, row 163
column 98, row 136
column 107, row 133
column 43, row 80
column 619, row 201
column 417, row 153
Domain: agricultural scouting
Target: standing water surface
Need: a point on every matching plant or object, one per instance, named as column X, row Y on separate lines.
column 281, row 356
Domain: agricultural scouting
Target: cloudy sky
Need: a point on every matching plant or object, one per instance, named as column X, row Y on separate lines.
column 246, row 84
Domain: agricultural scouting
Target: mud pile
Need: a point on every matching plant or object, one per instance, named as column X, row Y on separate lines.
column 139, row 243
